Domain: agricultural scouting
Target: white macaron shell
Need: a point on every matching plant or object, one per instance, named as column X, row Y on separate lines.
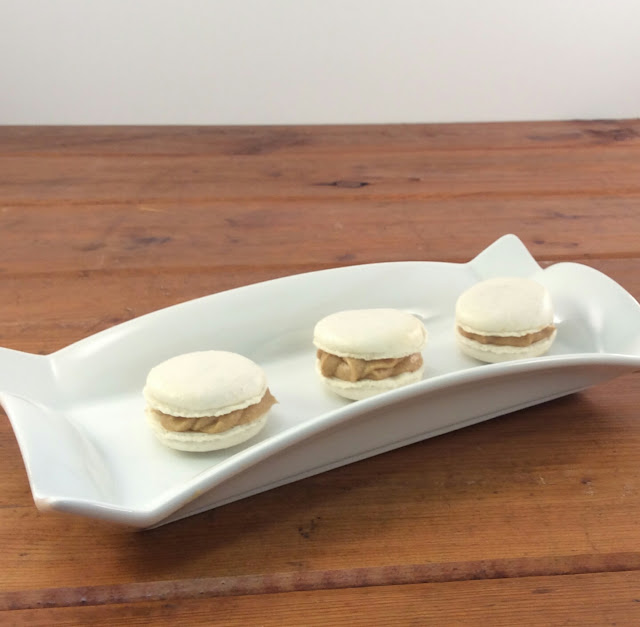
column 206, row 383
column 370, row 334
column 505, row 306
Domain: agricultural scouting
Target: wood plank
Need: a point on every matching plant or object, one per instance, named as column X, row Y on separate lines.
column 589, row 599
column 268, row 236
column 248, row 140
column 372, row 176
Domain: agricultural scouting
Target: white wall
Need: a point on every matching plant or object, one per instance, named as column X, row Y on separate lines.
column 317, row 61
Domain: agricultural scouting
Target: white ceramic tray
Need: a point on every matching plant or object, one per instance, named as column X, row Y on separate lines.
column 78, row 413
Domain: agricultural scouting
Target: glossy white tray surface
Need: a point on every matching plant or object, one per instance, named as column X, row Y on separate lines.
column 78, row 414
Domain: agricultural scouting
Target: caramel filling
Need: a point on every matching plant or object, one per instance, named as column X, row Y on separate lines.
column 352, row 369
column 510, row 340
column 218, row 424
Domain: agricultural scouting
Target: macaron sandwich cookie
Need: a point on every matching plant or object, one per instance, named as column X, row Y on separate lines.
column 505, row 318
column 207, row 400
column 362, row 352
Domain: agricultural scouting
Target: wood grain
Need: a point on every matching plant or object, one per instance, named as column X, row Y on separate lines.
column 531, row 516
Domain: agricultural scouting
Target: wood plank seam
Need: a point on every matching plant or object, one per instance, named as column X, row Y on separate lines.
column 272, row 583
column 590, row 194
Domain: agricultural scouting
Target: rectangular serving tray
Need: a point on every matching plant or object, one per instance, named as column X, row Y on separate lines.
column 78, row 414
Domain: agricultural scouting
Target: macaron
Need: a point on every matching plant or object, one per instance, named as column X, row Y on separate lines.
column 363, row 352
column 505, row 318
column 207, row 400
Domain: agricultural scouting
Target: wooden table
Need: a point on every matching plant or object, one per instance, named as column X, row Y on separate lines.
column 530, row 518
